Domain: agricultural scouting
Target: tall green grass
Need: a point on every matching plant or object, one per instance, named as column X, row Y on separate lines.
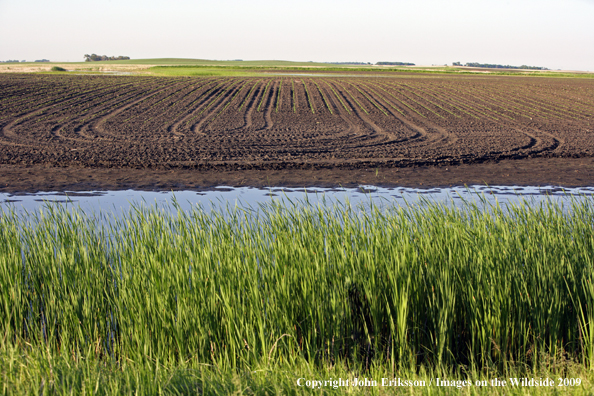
column 477, row 287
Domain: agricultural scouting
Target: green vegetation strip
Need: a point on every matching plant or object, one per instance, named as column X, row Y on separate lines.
column 235, row 69
column 429, row 288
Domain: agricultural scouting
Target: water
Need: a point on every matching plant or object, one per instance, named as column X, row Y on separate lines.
column 120, row 201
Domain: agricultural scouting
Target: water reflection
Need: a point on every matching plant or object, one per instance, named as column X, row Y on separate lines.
column 118, row 201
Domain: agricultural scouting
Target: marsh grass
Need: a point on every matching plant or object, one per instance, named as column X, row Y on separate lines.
column 291, row 287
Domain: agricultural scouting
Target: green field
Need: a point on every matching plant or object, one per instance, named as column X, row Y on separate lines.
column 248, row 301
column 205, row 67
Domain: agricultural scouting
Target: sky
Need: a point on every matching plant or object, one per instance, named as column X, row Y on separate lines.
column 558, row 34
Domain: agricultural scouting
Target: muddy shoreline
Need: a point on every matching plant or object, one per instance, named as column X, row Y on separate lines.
column 564, row 172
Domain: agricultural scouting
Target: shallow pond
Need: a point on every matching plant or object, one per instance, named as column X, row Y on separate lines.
column 117, row 201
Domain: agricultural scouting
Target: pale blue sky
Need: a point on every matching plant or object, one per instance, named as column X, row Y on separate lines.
column 558, row 34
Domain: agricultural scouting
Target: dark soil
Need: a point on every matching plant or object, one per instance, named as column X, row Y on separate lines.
column 110, row 132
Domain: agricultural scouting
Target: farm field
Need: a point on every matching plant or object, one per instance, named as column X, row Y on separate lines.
column 247, row 302
column 291, row 122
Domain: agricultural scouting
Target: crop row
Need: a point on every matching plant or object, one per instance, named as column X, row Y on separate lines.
column 167, row 101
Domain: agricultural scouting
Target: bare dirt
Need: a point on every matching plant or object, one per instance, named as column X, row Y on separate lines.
column 112, row 132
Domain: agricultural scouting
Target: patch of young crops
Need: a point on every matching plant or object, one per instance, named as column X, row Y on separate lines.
column 338, row 97
column 324, row 98
column 497, row 103
column 230, row 101
column 278, row 95
column 510, row 101
column 309, row 98
column 294, row 95
column 264, row 95
column 449, row 101
column 248, row 95
column 384, row 99
column 478, row 286
column 413, row 91
column 352, row 97
column 63, row 100
column 83, row 106
column 369, row 99
column 418, row 103
column 186, row 106
column 157, row 106
column 567, row 104
column 148, row 96
column 400, row 101
column 513, row 100
column 552, row 108
column 110, row 102
column 468, row 106
column 190, row 105
column 156, row 111
column 213, row 100
column 475, row 104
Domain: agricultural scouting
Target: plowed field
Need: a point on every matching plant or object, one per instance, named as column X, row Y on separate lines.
column 291, row 121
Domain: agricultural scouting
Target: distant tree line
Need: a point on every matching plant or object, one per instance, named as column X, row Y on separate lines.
column 494, row 66
column 96, row 58
column 395, row 64
column 16, row 61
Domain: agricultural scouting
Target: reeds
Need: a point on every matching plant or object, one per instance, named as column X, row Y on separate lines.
column 403, row 287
